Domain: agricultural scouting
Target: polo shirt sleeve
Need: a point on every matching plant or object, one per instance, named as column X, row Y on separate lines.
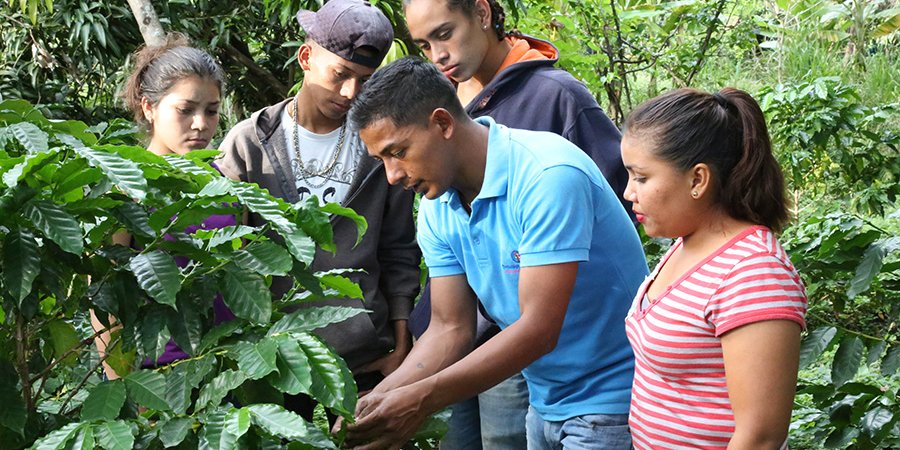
column 556, row 211
column 439, row 257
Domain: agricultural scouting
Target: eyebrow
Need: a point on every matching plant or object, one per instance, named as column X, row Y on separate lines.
column 347, row 68
column 388, row 148
column 197, row 103
column 435, row 32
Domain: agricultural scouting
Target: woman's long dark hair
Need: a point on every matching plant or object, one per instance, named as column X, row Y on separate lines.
column 727, row 131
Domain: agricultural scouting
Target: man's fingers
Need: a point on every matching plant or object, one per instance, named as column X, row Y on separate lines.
column 338, row 424
column 366, row 405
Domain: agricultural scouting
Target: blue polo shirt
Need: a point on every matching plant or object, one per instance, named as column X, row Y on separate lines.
column 543, row 201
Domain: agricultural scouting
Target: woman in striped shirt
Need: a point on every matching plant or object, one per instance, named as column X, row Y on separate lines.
column 716, row 327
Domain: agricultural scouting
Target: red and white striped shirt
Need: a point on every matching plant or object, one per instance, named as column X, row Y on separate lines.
column 679, row 398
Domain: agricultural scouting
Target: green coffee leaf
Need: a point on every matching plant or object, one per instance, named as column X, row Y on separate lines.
column 847, row 359
column 256, row 359
column 294, row 375
column 329, row 375
column 104, row 401
column 310, row 319
column 284, row 424
column 174, row 431
column 57, row 224
column 213, row 392
column 247, row 295
column 264, row 258
column 814, row 344
column 147, row 388
column 21, row 263
column 157, row 274
column 213, row 435
column 114, row 435
column 123, row 173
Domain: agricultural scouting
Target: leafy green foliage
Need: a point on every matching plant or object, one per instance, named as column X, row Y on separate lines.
column 828, row 138
column 63, row 198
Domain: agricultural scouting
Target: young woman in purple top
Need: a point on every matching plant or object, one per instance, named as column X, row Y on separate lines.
column 174, row 93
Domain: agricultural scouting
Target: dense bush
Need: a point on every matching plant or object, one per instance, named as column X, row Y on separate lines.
column 66, row 189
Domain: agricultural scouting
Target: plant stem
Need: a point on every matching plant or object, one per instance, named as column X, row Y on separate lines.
column 87, row 376
column 847, row 330
column 22, row 362
column 82, row 344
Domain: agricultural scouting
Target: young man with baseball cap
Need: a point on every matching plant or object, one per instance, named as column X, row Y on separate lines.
column 303, row 147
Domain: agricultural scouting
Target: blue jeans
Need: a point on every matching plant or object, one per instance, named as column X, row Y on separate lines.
column 492, row 420
column 587, row 432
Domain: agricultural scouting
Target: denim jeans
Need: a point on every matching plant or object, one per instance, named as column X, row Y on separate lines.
column 587, row 432
column 493, row 420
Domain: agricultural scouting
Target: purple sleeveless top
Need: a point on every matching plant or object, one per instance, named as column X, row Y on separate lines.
column 221, row 313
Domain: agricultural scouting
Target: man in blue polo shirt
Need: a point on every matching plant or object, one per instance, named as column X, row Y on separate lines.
column 524, row 221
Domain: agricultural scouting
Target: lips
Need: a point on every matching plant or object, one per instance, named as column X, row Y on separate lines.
column 638, row 216
column 450, row 71
column 415, row 187
column 198, row 143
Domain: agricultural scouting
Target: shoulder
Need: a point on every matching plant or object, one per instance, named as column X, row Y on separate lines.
column 754, row 264
column 537, row 151
column 758, row 246
column 241, row 131
column 551, row 80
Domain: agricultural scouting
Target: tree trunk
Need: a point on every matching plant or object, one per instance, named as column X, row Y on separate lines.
column 148, row 22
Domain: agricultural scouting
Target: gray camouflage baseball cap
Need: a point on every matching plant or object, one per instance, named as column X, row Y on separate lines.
column 344, row 26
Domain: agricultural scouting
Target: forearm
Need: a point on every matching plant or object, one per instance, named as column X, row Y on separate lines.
column 402, row 336
column 504, row 355
column 103, row 340
column 438, row 348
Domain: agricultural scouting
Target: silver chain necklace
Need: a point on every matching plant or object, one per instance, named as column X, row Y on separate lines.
column 306, row 174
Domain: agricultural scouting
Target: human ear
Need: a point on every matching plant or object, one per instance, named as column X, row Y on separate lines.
column 304, row 53
column 444, row 120
column 147, row 109
column 483, row 13
column 701, row 180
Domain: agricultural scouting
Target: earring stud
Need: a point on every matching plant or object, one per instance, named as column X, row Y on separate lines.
column 484, row 27
column 695, row 194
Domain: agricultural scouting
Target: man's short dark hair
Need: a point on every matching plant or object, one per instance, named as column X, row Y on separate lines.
column 405, row 91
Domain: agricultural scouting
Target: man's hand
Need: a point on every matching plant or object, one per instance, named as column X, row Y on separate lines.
column 387, row 420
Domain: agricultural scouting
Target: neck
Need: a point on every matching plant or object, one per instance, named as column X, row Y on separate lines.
column 308, row 116
column 472, row 150
column 496, row 54
column 158, row 149
column 718, row 228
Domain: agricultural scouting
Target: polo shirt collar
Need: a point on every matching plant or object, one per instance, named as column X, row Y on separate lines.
column 496, row 170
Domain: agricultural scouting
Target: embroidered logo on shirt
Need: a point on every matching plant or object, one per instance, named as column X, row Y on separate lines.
column 512, row 268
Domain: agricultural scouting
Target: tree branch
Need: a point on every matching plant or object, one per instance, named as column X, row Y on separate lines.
column 148, row 22
column 705, row 45
column 280, row 88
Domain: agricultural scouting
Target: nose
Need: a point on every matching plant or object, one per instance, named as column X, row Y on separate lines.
column 199, row 122
column 350, row 88
column 439, row 54
column 630, row 193
column 392, row 171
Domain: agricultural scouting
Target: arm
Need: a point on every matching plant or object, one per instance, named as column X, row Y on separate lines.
column 102, row 341
column 450, row 336
column 387, row 421
column 232, row 162
column 761, row 361
column 399, row 257
column 387, row 364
